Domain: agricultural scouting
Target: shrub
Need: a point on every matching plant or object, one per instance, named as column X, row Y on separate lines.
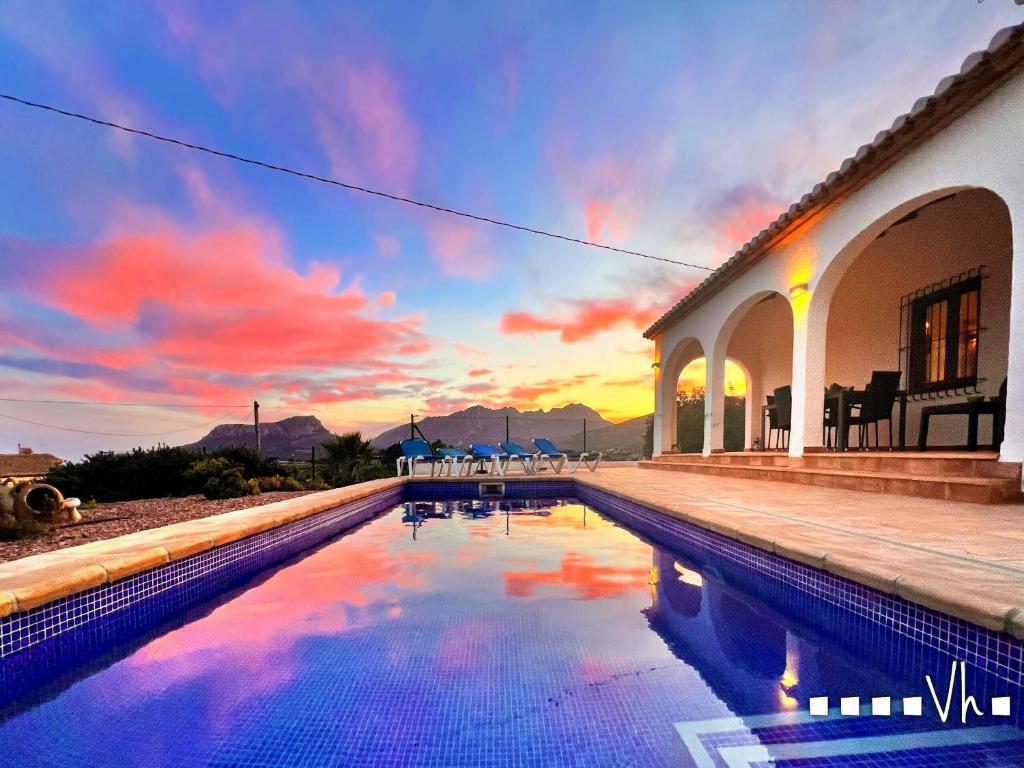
column 254, row 486
column 291, row 484
column 272, row 483
column 229, row 485
column 155, row 473
column 205, row 468
column 316, row 484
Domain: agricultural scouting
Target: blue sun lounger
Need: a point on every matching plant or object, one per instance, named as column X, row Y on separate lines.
column 516, row 451
column 417, row 452
column 557, row 460
column 485, row 452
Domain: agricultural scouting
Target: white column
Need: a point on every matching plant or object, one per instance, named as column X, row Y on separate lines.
column 664, row 400
column 809, row 330
column 660, row 407
column 1013, row 437
column 714, row 403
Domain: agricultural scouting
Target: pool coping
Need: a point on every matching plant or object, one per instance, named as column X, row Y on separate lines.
column 34, row 581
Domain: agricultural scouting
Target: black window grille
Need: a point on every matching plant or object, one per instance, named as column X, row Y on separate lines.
column 941, row 335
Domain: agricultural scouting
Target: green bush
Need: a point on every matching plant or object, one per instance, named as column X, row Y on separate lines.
column 155, row 473
column 254, row 486
column 229, row 485
column 205, row 468
column 316, row 484
column 291, row 484
column 270, row 484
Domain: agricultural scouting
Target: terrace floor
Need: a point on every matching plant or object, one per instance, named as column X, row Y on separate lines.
column 960, row 558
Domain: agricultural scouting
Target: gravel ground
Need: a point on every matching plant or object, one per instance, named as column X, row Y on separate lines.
column 133, row 516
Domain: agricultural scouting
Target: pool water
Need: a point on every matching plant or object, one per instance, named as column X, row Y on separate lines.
column 531, row 633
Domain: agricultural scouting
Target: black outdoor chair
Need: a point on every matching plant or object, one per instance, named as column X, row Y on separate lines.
column 876, row 405
column 831, row 420
column 780, row 417
column 973, row 408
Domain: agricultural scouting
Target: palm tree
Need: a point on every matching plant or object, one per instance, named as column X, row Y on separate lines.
column 349, row 458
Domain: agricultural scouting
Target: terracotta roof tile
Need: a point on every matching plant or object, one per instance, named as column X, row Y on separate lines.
column 26, row 464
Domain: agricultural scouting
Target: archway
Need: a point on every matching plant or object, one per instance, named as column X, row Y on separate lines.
column 666, row 382
column 925, row 293
column 690, row 410
column 758, row 340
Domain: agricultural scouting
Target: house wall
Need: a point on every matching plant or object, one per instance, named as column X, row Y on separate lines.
column 978, row 151
column 945, row 239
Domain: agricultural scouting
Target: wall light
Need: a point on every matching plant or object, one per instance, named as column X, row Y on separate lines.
column 797, row 290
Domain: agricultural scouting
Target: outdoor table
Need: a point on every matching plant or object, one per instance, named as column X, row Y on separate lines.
column 844, row 399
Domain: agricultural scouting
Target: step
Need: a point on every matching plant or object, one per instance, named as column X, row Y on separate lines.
column 973, row 489
column 931, row 464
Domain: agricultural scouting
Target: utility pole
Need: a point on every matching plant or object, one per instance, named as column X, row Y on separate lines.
column 584, row 435
column 506, row 429
column 256, row 423
column 412, row 426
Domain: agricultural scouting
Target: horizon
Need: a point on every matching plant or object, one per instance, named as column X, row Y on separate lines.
column 144, row 273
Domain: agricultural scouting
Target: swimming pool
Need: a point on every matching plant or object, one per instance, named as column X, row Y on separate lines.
column 451, row 630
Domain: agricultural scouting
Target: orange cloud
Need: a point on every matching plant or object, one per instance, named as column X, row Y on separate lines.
column 581, row 575
column 591, row 317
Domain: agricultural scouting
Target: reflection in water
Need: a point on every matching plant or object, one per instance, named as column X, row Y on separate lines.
column 743, row 648
column 498, row 632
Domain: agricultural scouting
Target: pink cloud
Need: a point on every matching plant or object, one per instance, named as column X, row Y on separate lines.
column 460, row 250
column 606, row 221
column 589, row 318
column 225, row 297
column 740, row 213
column 387, row 246
column 468, row 351
column 479, row 371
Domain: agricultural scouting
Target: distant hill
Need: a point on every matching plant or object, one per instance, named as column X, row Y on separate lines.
column 562, row 425
column 282, row 439
column 292, row 437
column 617, row 441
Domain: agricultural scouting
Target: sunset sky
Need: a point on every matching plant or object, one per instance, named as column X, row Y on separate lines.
column 141, row 272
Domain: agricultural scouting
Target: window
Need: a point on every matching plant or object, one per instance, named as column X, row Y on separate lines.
column 944, row 328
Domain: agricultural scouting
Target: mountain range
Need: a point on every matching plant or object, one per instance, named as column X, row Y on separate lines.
column 564, row 426
column 293, row 437
column 285, row 439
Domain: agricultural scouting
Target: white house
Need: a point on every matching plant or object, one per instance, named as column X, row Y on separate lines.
column 908, row 258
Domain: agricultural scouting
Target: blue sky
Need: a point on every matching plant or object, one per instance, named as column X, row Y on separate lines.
column 142, row 272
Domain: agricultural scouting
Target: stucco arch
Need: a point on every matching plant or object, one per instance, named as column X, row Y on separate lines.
column 824, row 283
column 667, row 374
column 757, row 335
column 853, row 313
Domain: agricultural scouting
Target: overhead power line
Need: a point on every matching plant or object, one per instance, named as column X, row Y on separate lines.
column 112, row 403
column 120, row 434
column 335, row 182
